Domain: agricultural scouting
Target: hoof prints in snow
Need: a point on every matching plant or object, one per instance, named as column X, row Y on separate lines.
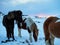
column 26, row 41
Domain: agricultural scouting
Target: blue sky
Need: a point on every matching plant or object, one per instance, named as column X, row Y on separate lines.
column 31, row 7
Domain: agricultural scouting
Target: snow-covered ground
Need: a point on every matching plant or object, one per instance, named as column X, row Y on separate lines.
column 25, row 34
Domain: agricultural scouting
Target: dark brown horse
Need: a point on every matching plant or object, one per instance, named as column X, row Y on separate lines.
column 51, row 30
column 8, row 22
column 30, row 25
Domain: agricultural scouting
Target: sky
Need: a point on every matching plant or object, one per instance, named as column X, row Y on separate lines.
column 31, row 7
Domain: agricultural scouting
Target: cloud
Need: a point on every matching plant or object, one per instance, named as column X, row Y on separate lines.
column 28, row 1
column 17, row 2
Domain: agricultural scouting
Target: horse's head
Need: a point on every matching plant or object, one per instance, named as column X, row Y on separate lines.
column 35, row 34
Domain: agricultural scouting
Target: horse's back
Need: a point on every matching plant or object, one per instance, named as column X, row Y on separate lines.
column 29, row 22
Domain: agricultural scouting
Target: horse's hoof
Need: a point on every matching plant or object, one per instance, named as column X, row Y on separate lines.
column 5, row 41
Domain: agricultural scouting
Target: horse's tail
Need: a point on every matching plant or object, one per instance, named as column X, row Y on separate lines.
column 4, row 20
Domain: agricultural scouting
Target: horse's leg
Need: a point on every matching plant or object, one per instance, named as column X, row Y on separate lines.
column 8, row 33
column 47, row 39
column 52, row 39
column 19, row 28
column 19, row 32
column 30, row 34
column 30, row 37
column 12, row 33
column 47, row 42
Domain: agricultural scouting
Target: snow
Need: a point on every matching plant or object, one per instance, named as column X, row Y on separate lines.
column 25, row 35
